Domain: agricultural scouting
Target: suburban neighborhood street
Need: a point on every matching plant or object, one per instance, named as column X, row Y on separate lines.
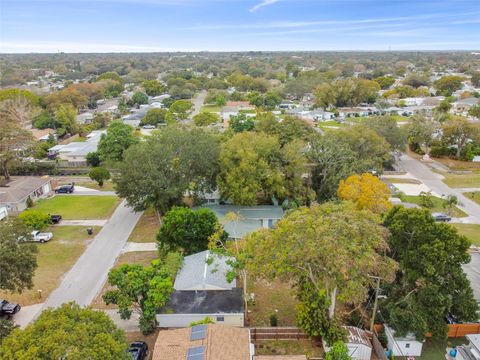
column 434, row 181
column 86, row 278
column 198, row 103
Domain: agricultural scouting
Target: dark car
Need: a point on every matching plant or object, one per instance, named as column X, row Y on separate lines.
column 55, row 219
column 441, row 217
column 138, row 350
column 8, row 309
column 451, row 319
column 65, row 189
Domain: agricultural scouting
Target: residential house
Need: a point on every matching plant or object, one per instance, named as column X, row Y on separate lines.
column 403, row 346
column 204, row 271
column 75, row 153
column 204, row 342
column 461, row 107
column 311, row 115
column 233, row 108
column 187, row 306
column 3, row 212
column 85, row 118
column 471, row 351
column 249, row 218
column 14, row 195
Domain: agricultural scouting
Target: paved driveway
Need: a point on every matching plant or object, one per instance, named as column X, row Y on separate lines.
column 434, row 181
column 198, row 103
column 86, row 278
column 472, row 269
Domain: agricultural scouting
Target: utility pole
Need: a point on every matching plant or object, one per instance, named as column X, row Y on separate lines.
column 375, row 304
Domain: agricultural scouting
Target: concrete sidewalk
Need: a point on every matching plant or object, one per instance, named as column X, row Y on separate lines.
column 82, row 223
column 133, row 246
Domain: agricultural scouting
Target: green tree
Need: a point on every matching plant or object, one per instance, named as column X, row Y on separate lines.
column 68, row 332
column 181, row 109
column 430, row 282
column 458, row 131
column 416, row 80
column 385, row 81
column 289, row 129
column 339, row 351
column 6, row 327
column 93, row 158
column 66, row 115
column 154, row 117
column 387, row 127
column 140, row 289
column 139, row 98
column 250, row 167
column 17, row 261
column 422, row 130
column 187, row 230
column 444, row 106
column 110, row 76
column 241, row 122
column 474, row 111
column 300, row 248
column 205, row 119
column 157, row 172
column 153, row 87
column 448, row 84
column 35, row 219
column 45, row 120
column 119, row 137
column 99, row 174
column 475, row 79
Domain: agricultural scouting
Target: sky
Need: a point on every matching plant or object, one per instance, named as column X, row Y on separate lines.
column 237, row 25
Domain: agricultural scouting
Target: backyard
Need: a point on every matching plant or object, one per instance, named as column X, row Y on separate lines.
column 82, row 207
column 436, row 349
column 289, row 347
column 467, row 180
column 54, row 259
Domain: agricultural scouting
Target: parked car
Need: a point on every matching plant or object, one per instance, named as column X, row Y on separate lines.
column 441, row 217
column 8, row 309
column 65, row 189
column 138, row 350
column 451, row 319
column 55, row 219
column 42, row 237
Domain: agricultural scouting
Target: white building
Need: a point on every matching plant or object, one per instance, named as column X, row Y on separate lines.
column 466, row 352
column 358, row 343
column 403, row 346
column 76, row 152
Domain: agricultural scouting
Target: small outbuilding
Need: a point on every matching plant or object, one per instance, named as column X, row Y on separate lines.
column 407, row 345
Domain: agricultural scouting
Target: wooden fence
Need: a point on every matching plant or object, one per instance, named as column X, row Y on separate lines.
column 277, row 333
column 454, row 330
column 378, row 348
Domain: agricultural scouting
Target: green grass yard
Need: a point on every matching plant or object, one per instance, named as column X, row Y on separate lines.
column 359, row 119
column 436, row 349
column 54, row 259
column 437, row 205
column 73, row 207
column 471, row 180
column 475, row 196
column 146, row 229
column 210, row 108
column 471, row 231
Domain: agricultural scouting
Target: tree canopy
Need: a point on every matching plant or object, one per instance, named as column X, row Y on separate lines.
column 17, row 260
column 68, row 332
column 119, row 137
column 430, row 282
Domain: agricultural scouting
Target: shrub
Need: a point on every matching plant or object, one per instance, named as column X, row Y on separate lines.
column 273, row 320
column 35, row 219
column 99, row 174
column 93, row 159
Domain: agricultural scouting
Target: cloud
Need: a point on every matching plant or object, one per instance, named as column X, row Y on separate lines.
column 262, row 4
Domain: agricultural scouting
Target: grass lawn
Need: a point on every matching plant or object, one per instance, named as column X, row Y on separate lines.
column 146, row 229
column 397, row 118
column 291, row 347
column 471, row 180
column 210, row 108
column 107, row 186
column 471, row 231
column 402, row 181
column 54, row 259
column 437, row 205
column 73, row 207
column 270, row 298
column 459, row 165
column 475, row 196
column 137, row 257
column 436, row 349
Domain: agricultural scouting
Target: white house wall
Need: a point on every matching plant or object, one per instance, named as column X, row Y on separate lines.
column 184, row 320
column 359, row 351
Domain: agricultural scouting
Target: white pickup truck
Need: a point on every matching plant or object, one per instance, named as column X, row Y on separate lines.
column 42, row 237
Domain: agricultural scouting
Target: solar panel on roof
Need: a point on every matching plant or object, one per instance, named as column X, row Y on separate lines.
column 198, row 332
column 196, row 353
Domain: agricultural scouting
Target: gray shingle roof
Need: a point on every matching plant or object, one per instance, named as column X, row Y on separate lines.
column 20, row 187
column 204, row 271
column 250, row 218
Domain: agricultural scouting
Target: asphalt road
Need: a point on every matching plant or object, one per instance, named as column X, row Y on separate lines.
column 198, row 103
column 434, row 181
column 89, row 273
column 472, row 269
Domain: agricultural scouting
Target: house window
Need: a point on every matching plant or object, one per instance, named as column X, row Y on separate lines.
column 220, row 318
column 270, row 223
column 407, row 345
